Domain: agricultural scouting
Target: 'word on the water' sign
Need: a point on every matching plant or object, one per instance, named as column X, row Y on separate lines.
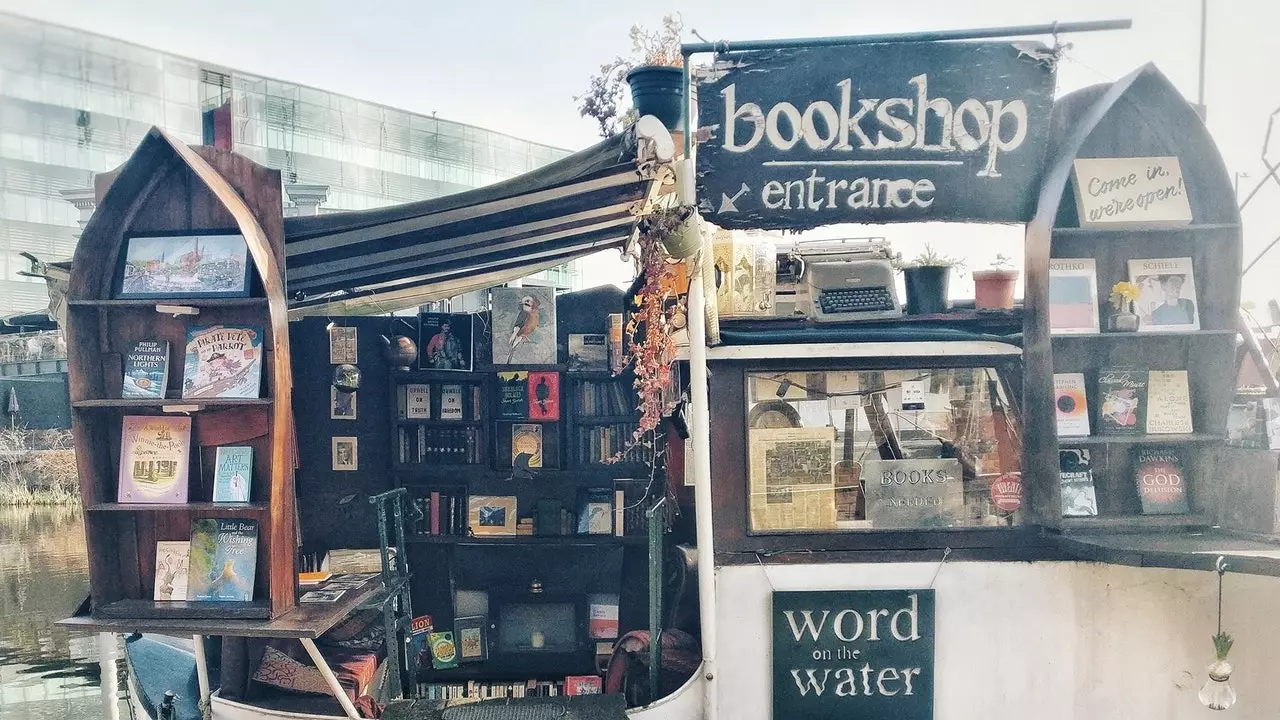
column 1115, row 192
column 853, row 654
column 901, row 132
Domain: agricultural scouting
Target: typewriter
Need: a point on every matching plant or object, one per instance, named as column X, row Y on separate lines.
column 839, row 281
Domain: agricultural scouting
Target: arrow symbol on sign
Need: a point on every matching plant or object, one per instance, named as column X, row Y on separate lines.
column 727, row 203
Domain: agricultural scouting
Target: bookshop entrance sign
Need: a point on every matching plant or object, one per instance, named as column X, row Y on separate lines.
column 897, row 132
column 853, row 654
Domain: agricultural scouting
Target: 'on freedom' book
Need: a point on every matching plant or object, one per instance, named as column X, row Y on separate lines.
column 224, row 557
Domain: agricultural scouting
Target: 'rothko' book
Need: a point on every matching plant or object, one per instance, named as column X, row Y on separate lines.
column 155, row 457
column 1073, row 296
column 146, row 370
column 1071, row 405
column 223, row 361
column 233, row 474
column 224, row 557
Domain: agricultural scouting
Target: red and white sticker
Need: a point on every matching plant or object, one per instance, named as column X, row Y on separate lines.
column 1006, row 492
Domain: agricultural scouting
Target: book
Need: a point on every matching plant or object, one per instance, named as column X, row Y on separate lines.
column 417, row 402
column 616, row 358
column 588, row 352
column 1168, row 402
column 1122, row 401
column 322, row 596
column 595, row 511
column 155, row 459
column 471, row 634
column 419, row 634
column 544, row 396
column 224, row 556
column 313, row 579
column 1071, row 404
column 173, row 559
column 524, row 325
column 223, row 361
column 233, row 474
column 1166, row 294
column 1162, row 487
column 450, row 402
column 444, row 652
column 1073, row 296
column 513, row 395
column 526, row 445
column 583, row 685
column 602, row 616
column 1075, row 473
column 445, row 339
column 146, row 370
column 491, row 515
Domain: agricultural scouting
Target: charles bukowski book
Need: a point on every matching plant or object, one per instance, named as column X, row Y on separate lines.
column 223, row 361
column 224, row 557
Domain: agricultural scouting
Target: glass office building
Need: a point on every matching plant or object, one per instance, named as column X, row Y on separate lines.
column 73, row 104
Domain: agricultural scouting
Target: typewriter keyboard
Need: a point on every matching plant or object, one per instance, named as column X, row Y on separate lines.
column 856, row 300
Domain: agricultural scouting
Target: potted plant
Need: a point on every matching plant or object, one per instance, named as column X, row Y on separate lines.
column 653, row 73
column 1122, row 318
column 928, row 278
column 993, row 289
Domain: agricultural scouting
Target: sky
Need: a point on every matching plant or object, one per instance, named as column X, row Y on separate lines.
column 516, row 66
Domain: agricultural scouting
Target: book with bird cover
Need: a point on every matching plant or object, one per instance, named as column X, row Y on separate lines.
column 544, row 396
column 524, row 326
column 224, row 557
column 223, row 361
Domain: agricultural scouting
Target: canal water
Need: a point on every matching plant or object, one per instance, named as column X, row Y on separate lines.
column 46, row 672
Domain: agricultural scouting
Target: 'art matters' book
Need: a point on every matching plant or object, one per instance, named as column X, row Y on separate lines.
column 1073, row 296
column 155, row 458
column 1162, row 485
column 1168, row 402
column 223, row 361
column 224, row 556
column 233, row 474
column 1075, row 472
column 1122, row 401
column 1166, row 294
column 146, row 370
column 1071, row 405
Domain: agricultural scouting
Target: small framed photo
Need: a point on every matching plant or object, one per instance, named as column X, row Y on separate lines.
column 345, row 453
column 472, row 636
column 342, row 346
column 342, row 405
column 490, row 515
column 187, row 265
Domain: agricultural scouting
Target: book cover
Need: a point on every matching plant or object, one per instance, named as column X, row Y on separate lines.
column 544, row 396
column 588, row 352
column 1071, row 404
column 513, row 395
column 1161, row 480
column 223, row 361
column 471, row 635
column 602, row 616
column 322, row 596
column 146, row 370
column 445, row 339
column 450, row 402
column 595, row 511
column 419, row 634
column 1075, row 474
column 313, row 578
column 417, row 402
column 224, row 556
column 524, row 326
column 1073, row 296
column 491, row 515
column 1167, row 294
column 583, row 685
column 616, row 358
column 444, row 652
column 155, row 458
column 1122, row 401
column 1168, row 402
column 526, row 445
column 173, row 559
column 233, row 474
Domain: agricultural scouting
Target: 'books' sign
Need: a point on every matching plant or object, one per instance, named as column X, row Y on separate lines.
column 873, row 133
column 853, row 654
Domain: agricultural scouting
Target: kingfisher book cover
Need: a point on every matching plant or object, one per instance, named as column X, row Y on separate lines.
column 224, row 557
column 233, row 474
column 146, row 370
column 223, row 361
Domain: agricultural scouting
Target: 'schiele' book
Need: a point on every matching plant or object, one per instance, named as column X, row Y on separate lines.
column 1168, row 402
column 1122, row 401
column 1166, row 294
column 1071, row 404
column 233, row 474
column 1162, row 482
column 146, row 370
column 513, row 395
column 544, row 396
column 223, row 361
column 1073, row 296
column 1075, row 472
column 154, row 459
column 224, row 556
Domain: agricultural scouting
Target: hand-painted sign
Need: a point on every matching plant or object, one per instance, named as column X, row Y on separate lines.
column 1115, row 192
column 853, row 654
column 873, row 133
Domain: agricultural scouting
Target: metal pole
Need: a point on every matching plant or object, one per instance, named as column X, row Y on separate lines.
column 1204, row 18
column 928, row 36
column 202, row 676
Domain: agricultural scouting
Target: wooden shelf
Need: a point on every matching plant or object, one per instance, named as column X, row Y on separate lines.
column 606, row 420
column 189, row 302
column 596, row 375
column 1134, row 523
column 1199, row 228
column 1140, row 336
column 1182, row 439
column 164, row 507
column 184, row 610
column 444, row 377
column 429, row 422
column 513, row 540
column 157, row 403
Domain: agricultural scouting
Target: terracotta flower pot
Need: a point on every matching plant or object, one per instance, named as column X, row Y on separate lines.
column 993, row 289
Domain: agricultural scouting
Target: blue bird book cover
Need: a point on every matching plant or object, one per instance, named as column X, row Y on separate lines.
column 224, row 557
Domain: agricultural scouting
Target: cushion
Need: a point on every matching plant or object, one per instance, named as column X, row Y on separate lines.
column 286, row 665
column 363, row 631
column 280, row 670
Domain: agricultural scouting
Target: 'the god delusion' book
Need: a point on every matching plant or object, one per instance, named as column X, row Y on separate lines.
column 1076, row 476
column 224, row 556
column 146, row 370
column 1161, row 482
column 233, row 474
column 223, row 361
column 1122, row 401
column 154, row 459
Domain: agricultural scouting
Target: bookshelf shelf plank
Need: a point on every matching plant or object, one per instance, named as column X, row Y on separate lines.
column 1153, row 230
column 185, row 610
column 519, row 540
column 259, row 507
column 157, row 403
column 1147, row 336
column 254, row 302
column 439, row 423
column 1179, row 439
column 1135, row 523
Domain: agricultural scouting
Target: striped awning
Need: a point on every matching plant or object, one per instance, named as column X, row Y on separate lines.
column 388, row 258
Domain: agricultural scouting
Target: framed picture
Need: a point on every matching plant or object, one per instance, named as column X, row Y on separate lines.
column 490, row 515
column 187, row 265
column 444, row 341
column 472, row 636
column 342, row 345
column 346, row 453
column 524, row 326
column 342, row 405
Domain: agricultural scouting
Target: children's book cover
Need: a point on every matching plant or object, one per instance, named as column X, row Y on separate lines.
column 154, row 459
column 233, row 474
column 223, row 361
column 224, row 557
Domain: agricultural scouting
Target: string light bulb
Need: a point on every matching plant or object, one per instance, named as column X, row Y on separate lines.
column 1217, row 693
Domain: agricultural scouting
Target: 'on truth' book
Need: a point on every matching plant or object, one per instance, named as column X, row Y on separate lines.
column 154, row 459
column 224, row 557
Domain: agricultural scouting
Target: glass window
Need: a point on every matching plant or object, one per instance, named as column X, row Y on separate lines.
column 881, row 450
